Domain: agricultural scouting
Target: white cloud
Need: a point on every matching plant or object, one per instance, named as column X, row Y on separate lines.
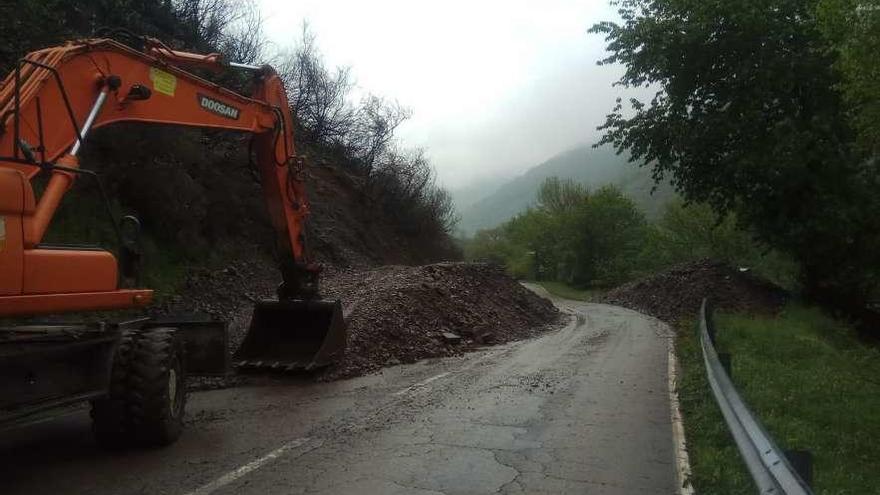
column 495, row 86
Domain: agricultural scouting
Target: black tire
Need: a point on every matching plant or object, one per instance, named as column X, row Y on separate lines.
column 147, row 397
column 157, row 387
column 110, row 421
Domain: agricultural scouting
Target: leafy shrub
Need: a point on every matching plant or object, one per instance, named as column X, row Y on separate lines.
column 690, row 232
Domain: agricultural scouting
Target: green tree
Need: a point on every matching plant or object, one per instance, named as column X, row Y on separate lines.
column 610, row 234
column 747, row 118
column 535, row 235
column 557, row 195
column 853, row 26
column 572, row 235
column 490, row 245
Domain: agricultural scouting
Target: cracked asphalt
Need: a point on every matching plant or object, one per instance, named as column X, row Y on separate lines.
column 583, row 409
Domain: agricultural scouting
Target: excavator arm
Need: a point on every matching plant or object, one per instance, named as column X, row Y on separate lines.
column 48, row 107
column 58, row 95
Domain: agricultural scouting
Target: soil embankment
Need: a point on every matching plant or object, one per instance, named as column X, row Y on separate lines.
column 678, row 292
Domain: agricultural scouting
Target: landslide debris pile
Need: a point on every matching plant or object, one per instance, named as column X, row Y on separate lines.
column 678, row 292
column 400, row 314
column 395, row 314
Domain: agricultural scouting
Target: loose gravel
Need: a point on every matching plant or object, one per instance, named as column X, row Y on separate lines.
column 400, row 314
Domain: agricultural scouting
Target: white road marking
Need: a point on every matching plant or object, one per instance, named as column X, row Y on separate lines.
column 682, row 462
column 251, row 466
column 474, row 362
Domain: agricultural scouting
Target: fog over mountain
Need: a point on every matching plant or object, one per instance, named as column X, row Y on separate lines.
column 593, row 167
column 495, row 86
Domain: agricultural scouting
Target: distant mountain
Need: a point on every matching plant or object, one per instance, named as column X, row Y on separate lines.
column 593, row 167
column 465, row 196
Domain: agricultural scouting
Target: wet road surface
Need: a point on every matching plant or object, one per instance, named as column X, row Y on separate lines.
column 584, row 409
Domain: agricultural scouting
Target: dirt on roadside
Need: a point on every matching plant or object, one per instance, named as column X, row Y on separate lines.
column 395, row 314
column 677, row 293
column 400, row 314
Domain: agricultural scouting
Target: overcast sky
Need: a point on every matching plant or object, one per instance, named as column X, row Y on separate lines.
column 496, row 86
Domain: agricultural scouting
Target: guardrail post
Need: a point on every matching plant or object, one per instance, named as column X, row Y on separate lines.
column 724, row 359
column 802, row 462
column 710, row 319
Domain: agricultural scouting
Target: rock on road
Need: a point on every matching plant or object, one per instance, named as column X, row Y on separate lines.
column 583, row 409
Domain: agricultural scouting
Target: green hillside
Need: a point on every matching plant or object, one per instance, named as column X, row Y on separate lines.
column 593, row 167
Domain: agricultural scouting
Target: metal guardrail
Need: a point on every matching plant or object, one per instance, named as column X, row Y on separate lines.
column 767, row 463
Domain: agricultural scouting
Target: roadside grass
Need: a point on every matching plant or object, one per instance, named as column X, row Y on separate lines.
column 568, row 292
column 811, row 382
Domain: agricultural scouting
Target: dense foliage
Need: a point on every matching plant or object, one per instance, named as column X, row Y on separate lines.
column 853, row 26
column 598, row 239
column 576, row 236
column 748, row 117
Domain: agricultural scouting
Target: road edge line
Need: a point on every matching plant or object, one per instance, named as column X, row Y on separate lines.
column 241, row 471
column 682, row 460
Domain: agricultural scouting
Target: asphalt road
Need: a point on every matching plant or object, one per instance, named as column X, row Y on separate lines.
column 584, row 409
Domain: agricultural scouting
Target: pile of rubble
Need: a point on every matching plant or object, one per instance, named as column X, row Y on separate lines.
column 400, row 314
column 678, row 292
column 395, row 314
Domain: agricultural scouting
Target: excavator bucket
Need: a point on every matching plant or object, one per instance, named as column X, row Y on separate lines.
column 293, row 335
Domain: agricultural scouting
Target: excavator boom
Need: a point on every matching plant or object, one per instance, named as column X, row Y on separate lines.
column 49, row 105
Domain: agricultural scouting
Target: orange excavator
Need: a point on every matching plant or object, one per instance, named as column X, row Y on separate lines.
column 133, row 372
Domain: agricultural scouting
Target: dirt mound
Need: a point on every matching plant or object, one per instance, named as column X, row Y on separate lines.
column 677, row 293
column 400, row 314
column 395, row 314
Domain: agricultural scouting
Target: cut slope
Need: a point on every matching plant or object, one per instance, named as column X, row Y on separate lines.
column 348, row 227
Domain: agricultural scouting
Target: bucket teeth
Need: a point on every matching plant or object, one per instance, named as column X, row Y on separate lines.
column 293, row 335
column 285, row 366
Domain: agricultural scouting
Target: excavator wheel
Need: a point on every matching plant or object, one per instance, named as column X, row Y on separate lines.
column 110, row 422
column 157, row 387
column 147, row 398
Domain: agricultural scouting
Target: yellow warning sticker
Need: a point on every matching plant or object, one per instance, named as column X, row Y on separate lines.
column 163, row 82
column 2, row 233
